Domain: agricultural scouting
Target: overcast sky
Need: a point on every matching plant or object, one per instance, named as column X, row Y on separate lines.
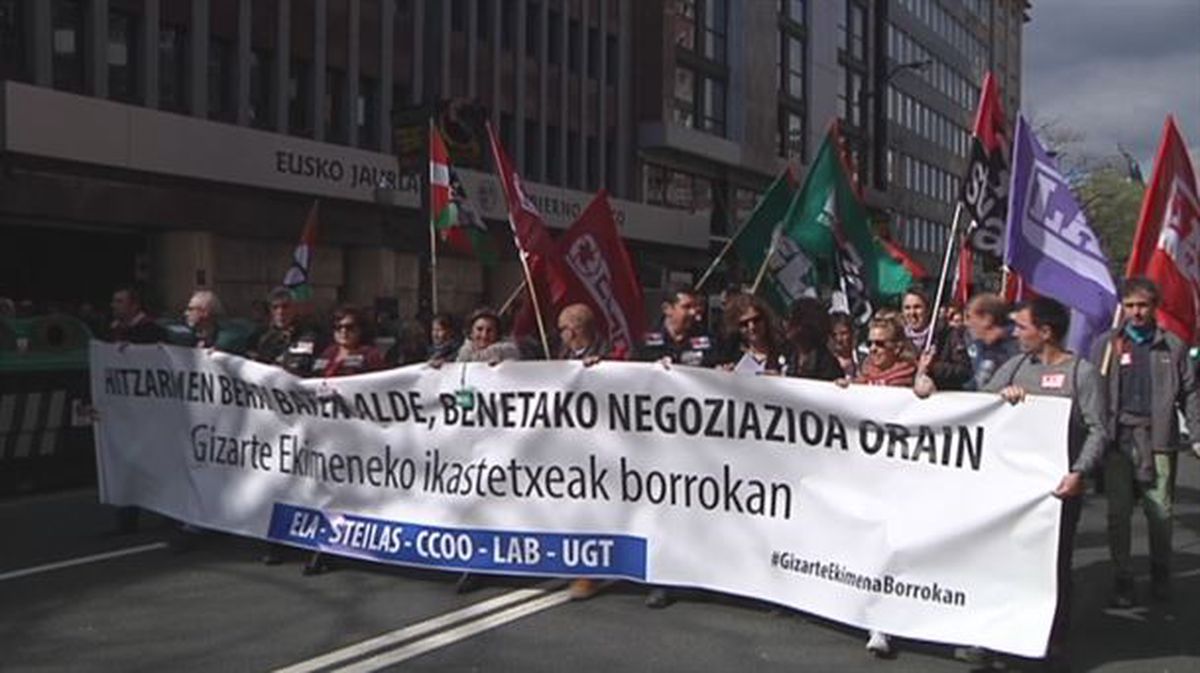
column 1113, row 69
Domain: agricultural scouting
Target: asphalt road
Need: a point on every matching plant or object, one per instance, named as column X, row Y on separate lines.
column 131, row 603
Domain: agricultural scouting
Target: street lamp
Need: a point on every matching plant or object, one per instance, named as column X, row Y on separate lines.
column 879, row 126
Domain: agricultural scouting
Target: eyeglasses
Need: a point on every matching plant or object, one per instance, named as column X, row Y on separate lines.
column 752, row 320
column 345, row 326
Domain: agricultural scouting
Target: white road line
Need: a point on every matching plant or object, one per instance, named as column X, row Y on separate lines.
column 82, row 560
column 457, row 633
column 416, row 630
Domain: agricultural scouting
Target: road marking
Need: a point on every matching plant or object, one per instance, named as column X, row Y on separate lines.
column 461, row 632
column 417, row 630
column 82, row 560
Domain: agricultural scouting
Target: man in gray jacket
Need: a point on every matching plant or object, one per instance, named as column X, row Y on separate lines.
column 1149, row 377
column 1045, row 368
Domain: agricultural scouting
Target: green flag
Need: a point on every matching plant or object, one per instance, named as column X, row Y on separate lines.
column 753, row 240
column 826, row 239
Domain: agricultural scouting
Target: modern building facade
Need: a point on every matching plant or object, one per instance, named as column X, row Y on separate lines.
column 181, row 142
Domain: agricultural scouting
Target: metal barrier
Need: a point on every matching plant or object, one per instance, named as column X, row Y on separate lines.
column 45, row 434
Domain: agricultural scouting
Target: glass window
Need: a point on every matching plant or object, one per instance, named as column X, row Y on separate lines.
column 533, row 29
column 299, row 92
column 573, row 46
column 611, row 58
column 458, row 15
column 590, row 159
column 715, row 21
column 794, row 64
column 683, row 110
column 12, row 40
column 683, row 23
column 714, row 106
column 122, row 56
column 483, row 19
column 795, row 10
column 221, row 92
column 260, row 89
column 67, row 18
column 593, row 53
column 573, row 159
column 553, row 155
column 366, row 113
column 532, row 157
column 334, row 105
column 654, row 186
column 554, row 37
column 172, row 68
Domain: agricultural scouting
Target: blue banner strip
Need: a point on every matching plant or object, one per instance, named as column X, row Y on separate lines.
column 496, row 551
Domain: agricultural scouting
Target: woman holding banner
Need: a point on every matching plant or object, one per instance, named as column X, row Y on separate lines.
column 761, row 349
column 350, row 353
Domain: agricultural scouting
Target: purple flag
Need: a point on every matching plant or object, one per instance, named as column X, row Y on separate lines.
column 1050, row 243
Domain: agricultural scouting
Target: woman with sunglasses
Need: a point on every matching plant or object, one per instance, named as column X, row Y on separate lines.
column 890, row 362
column 350, row 353
column 751, row 324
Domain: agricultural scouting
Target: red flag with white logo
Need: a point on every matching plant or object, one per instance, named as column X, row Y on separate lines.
column 601, row 275
column 1166, row 247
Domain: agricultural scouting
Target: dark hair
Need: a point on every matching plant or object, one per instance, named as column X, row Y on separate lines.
column 677, row 290
column 445, row 320
column 134, row 292
column 841, row 319
column 810, row 314
column 359, row 317
column 485, row 312
column 991, row 305
column 1046, row 312
column 917, row 291
column 1140, row 284
column 280, row 293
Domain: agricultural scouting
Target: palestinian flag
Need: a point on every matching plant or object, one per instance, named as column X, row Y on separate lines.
column 455, row 220
column 296, row 278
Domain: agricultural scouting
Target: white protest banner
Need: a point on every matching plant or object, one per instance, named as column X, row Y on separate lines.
column 930, row 519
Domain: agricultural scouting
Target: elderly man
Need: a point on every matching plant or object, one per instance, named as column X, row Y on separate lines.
column 202, row 316
column 577, row 335
column 1149, row 377
column 288, row 342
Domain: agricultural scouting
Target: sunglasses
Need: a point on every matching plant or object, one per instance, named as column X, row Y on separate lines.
column 345, row 326
column 878, row 343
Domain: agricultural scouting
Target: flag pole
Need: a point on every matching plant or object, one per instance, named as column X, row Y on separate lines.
column 762, row 269
column 537, row 309
column 1106, row 362
column 433, row 264
column 729, row 244
column 941, row 288
column 512, row 297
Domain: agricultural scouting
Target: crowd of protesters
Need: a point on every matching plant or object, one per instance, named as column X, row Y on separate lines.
column 1128, row 395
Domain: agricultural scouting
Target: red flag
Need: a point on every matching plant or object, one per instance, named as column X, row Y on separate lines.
column 529, row 231
column 601, row 275
column 531, row 238
column 964, row 274
column 984, row 193
column 893, row 249
column 1166, row 247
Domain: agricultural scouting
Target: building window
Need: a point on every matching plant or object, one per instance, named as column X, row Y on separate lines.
column 573, row 46
column 483, row 19
column 172, row 68
column 611, row 59
column 791, row 134
column 553, row 156
column 12, row 40
column 334, row 107
column 222, row 95
column 122, row 56
column 792, row 70
column 698, row 96
column 260, row 89
column 458, row 15
column 532, row 157
column 533, row 29
column 593, row 53
column 67, row 18
column 676, row 189
column 573, row 159
column 366, row 113
column 554, row 37
column 794, row 10
column 299, row 92
column 591, row 158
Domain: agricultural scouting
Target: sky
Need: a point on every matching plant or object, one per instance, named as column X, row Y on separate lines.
column 1113, row 69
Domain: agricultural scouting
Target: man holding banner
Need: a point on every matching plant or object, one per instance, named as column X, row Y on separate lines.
column 1046, row 368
